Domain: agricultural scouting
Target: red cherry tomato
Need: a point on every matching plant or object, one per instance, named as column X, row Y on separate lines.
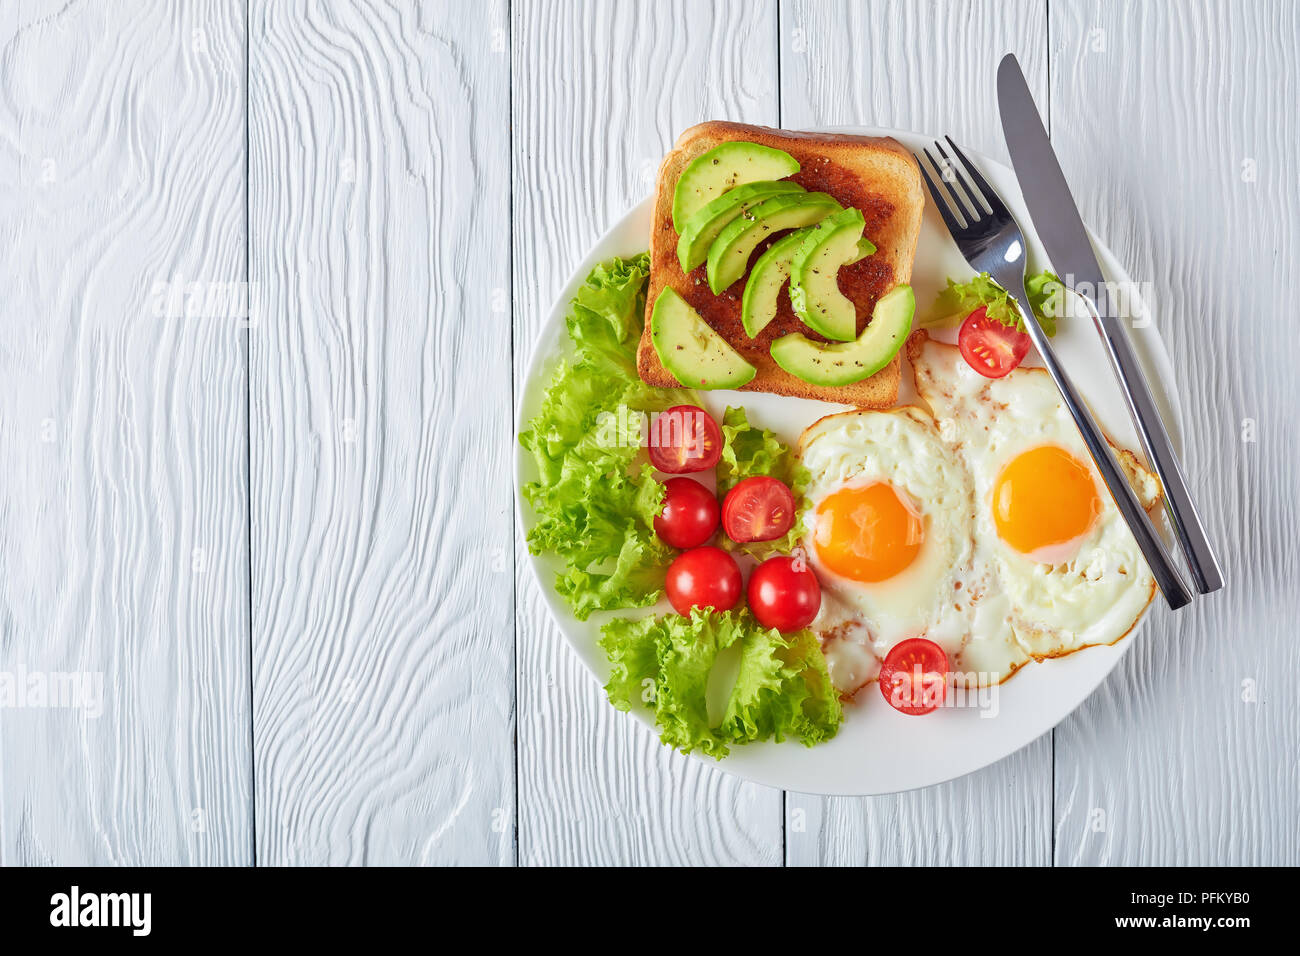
column 914, row 677
column 690, row 514
column 783, row 593
column 989, row 347
column 683, row 439
column 703, row 577
column 758, row 509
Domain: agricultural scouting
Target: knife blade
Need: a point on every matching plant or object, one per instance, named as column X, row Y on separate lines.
column 1060, row 228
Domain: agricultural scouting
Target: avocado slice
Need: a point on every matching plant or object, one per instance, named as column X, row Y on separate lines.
column 847, row 362
column 865, row 248
column 697, row 356
column 814, row 290
column 724, row 167
column 730, row 252
column 703, row 227
column 770, row 272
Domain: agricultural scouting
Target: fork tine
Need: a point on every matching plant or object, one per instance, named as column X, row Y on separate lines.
column 990, row 194
column 949, row 219
column 969, row 216
column 971, row 194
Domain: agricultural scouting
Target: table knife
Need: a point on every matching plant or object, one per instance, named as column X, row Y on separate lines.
column 1058, row 224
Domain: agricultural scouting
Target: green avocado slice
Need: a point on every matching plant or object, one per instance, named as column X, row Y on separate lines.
column 703, row 227
column 769, row 274
column 844, row 363
column 724, row 167
column 814, row 288
column 697, row 356
column 730, row 252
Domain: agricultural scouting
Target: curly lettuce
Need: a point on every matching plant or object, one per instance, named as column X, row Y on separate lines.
column 748, row 451
column 960, row 299
column 782, row 688
column 595, row 504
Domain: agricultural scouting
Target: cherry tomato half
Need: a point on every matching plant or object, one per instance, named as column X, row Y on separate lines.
column 989, row 347
column 914, row 676
column 684, row 439
column 783, row 593
column 758, row 509
column 703, row 577
column 690, row 514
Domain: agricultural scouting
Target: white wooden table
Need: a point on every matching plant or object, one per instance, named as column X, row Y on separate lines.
column 287, row 546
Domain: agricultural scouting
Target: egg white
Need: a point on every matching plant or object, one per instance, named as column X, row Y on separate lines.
column 1096, row 591
column 860, row 622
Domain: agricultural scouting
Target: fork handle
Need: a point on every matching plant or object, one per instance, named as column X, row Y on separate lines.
column 1162, row 566
column 1179, row 506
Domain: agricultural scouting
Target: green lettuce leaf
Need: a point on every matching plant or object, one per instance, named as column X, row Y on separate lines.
column 748, row 451
column 632, row 647
column 687, row 649
column 782, row 688
column 821, row 711
column 595, row 499
column 960, row 299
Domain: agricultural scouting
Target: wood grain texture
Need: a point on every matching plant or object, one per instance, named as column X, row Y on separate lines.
column 999, row 816
column 929, row 68
column 601, row 91
column 123, row 504
column 420, row 184
column 1189, row 752
column 381, row 434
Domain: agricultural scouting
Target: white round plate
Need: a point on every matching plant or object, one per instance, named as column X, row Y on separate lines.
column 877, row 749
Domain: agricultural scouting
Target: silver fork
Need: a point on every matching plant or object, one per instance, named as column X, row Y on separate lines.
column 989, row 238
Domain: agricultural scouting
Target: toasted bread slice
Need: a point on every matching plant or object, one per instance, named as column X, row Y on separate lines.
column 876, row 175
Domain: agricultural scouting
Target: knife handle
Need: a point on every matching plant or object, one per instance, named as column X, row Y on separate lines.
column 1179, row 507
column 1162, row 566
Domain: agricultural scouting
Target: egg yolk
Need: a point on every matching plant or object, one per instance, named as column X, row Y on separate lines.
column 869, row 533
column 1044, row 499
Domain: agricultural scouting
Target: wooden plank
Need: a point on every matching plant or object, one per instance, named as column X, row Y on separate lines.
column 999, row 816
column 381, row 434
column 600, row 93
column 1174, row 129
column 123, row 510
column 930, row 68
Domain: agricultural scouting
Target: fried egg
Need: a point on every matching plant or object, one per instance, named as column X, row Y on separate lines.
column 1069, row 572
column 982, row 526
column 888, row 532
